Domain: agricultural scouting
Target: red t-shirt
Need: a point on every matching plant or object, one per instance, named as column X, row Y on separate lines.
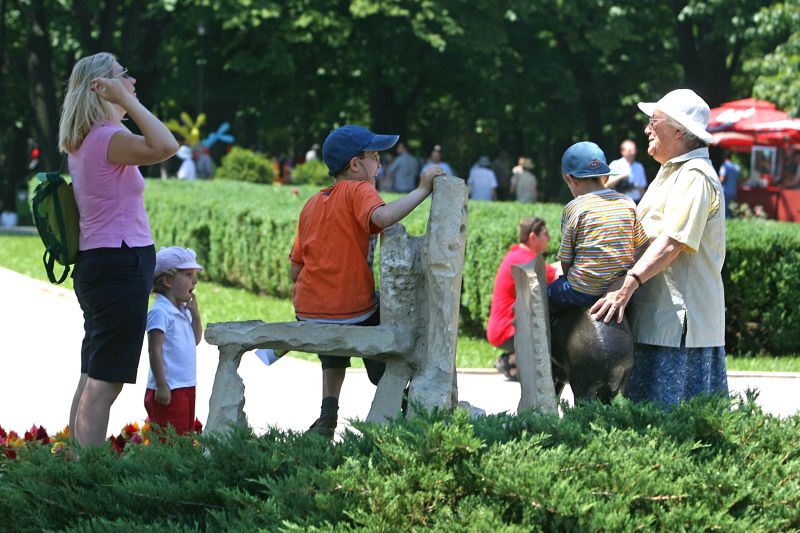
column 332, row 244
column 501, row 315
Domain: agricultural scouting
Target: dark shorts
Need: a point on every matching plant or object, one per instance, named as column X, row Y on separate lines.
column 507, row 345
column 113, row 287
column 375, row 369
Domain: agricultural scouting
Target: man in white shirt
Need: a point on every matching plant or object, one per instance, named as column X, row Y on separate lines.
column 630, row 178
column 187, row 170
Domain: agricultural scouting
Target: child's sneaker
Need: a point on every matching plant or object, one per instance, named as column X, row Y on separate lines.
column 324, row 425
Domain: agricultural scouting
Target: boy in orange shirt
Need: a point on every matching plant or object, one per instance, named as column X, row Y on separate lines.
column 331, row 256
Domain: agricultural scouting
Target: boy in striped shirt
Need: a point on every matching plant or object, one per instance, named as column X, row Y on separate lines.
column 601, row 237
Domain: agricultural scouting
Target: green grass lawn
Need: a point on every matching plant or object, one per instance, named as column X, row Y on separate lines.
column 220, row 303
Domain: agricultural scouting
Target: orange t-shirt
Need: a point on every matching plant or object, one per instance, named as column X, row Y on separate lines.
column 332, row 244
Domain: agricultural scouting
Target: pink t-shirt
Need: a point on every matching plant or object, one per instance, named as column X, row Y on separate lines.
column 501, row 314
column 110, row 197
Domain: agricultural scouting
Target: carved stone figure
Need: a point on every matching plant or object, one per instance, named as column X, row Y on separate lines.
column 595, row 358
column 420, row 297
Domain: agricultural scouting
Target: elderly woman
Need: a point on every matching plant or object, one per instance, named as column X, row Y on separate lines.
column 678, row 314
column 114, row 271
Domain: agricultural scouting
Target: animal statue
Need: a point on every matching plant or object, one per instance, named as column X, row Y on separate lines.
column 595, row 358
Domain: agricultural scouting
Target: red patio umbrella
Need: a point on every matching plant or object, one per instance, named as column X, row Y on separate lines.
column 791, row 125
column 743, row 115
column 734, row 141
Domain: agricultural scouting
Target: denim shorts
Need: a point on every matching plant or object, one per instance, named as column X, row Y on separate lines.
column 561, row 295
column 113, row 287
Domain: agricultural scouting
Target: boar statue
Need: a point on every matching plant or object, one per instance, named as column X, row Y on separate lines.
column 595, row 358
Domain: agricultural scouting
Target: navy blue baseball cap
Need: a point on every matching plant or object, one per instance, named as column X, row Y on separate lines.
column 585, row 160
column 345, row 143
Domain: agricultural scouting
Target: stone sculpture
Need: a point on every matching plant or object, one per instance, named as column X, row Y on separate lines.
column 595, row 358
column 420, row 298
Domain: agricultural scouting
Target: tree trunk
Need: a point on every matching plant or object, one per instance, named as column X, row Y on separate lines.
column 41, row 88
column 705, row 67
column 388, row 115
column 3, row 8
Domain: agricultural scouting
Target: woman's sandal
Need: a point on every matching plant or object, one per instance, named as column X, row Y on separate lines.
column 505, row 367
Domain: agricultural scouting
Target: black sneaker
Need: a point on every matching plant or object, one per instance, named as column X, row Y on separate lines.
column 506, row 367
column 324, row 425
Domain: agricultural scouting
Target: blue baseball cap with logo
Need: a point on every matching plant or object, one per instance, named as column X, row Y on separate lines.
column 345, row 143
column 585, row 160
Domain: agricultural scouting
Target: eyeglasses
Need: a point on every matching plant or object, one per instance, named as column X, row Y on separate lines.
column 123, row 74
column 376, row 157
column 653, row 121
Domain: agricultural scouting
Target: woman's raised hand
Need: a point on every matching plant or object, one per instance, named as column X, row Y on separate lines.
column 111, row 90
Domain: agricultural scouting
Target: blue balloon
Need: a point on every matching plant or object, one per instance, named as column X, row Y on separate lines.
column 219, row 135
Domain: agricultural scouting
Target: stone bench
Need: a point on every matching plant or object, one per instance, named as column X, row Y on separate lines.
column 417, row 336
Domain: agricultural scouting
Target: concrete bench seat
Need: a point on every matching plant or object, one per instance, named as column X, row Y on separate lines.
column 417, row 336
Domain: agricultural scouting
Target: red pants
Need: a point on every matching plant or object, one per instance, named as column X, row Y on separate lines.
column 179, row 413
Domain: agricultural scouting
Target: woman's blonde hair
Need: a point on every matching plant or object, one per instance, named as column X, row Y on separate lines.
column 82, row 108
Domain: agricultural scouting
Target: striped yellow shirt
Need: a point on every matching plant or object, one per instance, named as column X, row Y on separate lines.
column 599, row 233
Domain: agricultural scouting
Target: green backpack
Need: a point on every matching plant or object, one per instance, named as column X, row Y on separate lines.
column 55, row 214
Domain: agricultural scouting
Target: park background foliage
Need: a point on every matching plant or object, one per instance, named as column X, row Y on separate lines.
column 244, row 232
column 245, row 165
column 622, row 467
column 475, row 76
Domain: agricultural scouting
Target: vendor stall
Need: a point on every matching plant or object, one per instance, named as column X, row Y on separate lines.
column 772, row 138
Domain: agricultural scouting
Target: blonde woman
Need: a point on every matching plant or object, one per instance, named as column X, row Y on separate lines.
column 113, row 275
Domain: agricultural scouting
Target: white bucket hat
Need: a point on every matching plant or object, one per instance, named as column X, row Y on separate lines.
column 686, row 108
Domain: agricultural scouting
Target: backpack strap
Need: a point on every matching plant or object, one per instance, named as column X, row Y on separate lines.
column 61, row 224
column 49, row 262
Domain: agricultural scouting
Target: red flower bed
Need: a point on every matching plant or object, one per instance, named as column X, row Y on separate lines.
column 131, row 434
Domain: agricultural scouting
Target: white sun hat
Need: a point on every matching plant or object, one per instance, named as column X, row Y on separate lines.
column 177, row 258
column 686, row 108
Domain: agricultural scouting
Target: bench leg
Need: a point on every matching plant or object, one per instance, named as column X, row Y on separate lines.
column 433, row 388
column 226, row 405
column 389, row 396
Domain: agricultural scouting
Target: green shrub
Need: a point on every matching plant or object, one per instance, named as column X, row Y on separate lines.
column 312, row 173
column 246, row 231
column 242, row 164
column 762, row 284
column 625, row 467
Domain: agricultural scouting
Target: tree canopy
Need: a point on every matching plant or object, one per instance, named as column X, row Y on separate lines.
column 475, row 76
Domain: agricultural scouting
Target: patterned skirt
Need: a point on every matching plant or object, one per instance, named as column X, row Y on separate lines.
column 668, row 375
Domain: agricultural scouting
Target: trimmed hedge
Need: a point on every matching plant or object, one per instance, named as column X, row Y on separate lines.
column 243, row 233
column 625, row 467
column 241, row 164
column 762, row 287
column 312, row 173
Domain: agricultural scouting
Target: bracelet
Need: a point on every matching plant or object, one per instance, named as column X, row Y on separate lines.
column 636, row 277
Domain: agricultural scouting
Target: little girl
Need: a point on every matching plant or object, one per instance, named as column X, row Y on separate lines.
column 174, row 330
